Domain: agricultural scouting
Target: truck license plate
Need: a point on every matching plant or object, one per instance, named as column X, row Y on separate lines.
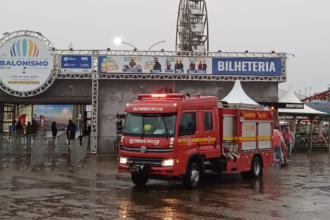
column 134, row 169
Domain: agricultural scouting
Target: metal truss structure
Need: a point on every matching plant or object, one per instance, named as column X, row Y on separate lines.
column 192, row 29
column 94, row 76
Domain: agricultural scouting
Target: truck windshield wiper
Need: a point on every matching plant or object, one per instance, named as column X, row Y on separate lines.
column 143, row 131
column 165, row 128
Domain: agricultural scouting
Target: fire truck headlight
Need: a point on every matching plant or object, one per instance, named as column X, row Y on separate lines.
column 123, row 160
column 168, row 163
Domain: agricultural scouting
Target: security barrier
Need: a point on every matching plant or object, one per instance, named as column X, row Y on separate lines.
column 108, row 145
column 47, row 148
column 75, row 152
column 78, row 152
column 62, row 144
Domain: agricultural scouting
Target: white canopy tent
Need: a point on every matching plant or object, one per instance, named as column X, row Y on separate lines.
column 238, row 96
column 291, row 97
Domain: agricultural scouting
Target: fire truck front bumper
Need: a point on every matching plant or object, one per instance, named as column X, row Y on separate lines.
column 157, row 166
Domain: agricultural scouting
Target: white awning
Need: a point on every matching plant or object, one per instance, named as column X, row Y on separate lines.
column 291, row 97
column 237, row 95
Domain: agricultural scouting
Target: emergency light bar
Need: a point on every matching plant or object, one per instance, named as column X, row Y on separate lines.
column 169, row 96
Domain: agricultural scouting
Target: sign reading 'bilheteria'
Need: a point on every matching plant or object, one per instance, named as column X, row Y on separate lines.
column 247, row 66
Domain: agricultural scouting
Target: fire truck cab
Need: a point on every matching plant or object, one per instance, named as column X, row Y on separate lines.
column 182, row 137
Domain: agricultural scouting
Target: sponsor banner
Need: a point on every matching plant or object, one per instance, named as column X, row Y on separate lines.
column 42, row 123
column 25, row 63
column 247, row 66
column 190, row 65
column 319, row 106
column 76, row 64
column 161, row 65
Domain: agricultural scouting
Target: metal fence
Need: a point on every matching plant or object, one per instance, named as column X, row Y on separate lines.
column 46, row 148
column 108, row 145
column 78, row 151
column 305, row 140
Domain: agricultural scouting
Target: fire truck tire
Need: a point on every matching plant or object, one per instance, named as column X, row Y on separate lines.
column 139, row 179
column 256, row 167
column 192, row 177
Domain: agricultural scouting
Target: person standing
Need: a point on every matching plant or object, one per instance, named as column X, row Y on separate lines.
column 54, row 129
column 28, row 132
column 157, row 65
column 176, row 65
column 277, row 141
column 289, row 140
column 204, row 66
column 19, row 128
column 71, row 131
column 132, row 64
column 200, row 65
column 34, row 128
column 192, row 66
column 28, row 129
column 54, row 134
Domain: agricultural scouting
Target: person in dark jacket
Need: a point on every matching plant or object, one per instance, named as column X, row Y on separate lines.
column 157, row 65
column 54, row 129
column 204, row 66
column 34, row 126
column 180, row 65
column 28, row 129
column 71, row 131
column 19, row 128
column 192, row 66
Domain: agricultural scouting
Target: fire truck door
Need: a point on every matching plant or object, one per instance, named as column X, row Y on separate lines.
column 208, row 133
column 189, row 132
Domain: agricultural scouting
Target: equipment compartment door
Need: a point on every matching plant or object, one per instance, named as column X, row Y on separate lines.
column 249, row 136
column 265, row 135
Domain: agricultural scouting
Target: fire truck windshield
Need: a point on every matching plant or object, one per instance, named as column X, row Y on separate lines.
column 150, row 125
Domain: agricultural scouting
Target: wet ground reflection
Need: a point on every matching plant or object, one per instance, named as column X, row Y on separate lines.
column 300, row 191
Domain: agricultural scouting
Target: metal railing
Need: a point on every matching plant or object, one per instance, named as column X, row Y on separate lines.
column 78, row 152
column 305, row 140
column 108, row 145
column 46, row 148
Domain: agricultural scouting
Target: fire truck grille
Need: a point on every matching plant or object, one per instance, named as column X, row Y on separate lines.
column 143, row 160
column 149, row 150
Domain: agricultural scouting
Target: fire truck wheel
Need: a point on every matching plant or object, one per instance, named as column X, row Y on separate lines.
column 139, row 179
column 256, row 167
column 192, row 178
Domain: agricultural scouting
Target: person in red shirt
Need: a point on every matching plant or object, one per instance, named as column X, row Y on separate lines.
column 289, row 140
column 277, row 140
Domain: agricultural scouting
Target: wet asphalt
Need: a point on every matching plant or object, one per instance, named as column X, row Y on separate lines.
column 97, row 191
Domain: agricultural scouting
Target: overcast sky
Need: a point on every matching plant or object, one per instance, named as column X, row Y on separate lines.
column 300, row 27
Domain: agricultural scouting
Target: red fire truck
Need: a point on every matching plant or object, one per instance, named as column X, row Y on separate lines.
column 182, row 136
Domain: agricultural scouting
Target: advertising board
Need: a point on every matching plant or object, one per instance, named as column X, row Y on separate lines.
column 144, row 64
column 76, row 64
column 247, row 66
column 190, row 65
column 319, row 106
column 25, row 63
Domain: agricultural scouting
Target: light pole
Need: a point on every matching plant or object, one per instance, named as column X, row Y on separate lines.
column 129, row 44
column 156, row 44
column 118, row 41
